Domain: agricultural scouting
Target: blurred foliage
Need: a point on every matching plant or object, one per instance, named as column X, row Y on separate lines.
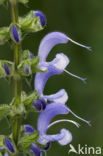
column 83, row 22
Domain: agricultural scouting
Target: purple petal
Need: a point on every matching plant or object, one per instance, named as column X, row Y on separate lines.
column 41, row 17
column 64, row 137
column 9, row 145
column 57, row 66
column 15, row 34
column 61, row 96
column 35, row 150
column 48, row 42
column 7, row 70
column 47, row 146
column 37, row 104
column 29, row 129
column 40, row 104
column 43, row 103
column 46, row 116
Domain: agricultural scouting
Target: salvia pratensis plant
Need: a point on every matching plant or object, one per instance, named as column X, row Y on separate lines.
column 24, row 138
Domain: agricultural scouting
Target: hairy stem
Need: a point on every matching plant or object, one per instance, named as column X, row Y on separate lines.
column 17, row 77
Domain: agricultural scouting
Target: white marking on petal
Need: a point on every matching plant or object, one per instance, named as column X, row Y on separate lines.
column 67, row 137
column 62, row 61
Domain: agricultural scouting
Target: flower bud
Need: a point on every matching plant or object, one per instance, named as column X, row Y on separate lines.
column 34, row 21
column 9, row 145
column 41, row 16
column 27, row 69
column 29, row 129
column 40, row 104
column 7, row 70
column 15, row 34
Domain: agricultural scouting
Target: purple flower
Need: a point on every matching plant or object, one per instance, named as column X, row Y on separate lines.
column 7, row 70
column 43, row 124
column 15, row 34
column 58, row 65
column 41, row 17
column 9, row 145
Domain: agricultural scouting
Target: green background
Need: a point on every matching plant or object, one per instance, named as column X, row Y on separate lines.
column 82, row 20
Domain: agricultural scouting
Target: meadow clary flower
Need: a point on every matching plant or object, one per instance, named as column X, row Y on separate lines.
column 43, row 124
column 60, row 62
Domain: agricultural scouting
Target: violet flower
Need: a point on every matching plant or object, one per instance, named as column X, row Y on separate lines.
column 43, row 124
column 58, row 65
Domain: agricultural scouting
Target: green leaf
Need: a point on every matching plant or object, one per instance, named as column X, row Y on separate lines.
column 27, row 140
column 4, row 110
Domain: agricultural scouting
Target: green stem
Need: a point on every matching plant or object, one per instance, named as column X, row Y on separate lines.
column 17, row 77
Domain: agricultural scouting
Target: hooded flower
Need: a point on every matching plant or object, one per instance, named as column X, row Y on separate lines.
column 56, row 66
column 43, row 124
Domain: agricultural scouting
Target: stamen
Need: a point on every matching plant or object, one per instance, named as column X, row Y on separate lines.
column 78, row 77
column 64, row 120
column 81, row 45
column 88, row 122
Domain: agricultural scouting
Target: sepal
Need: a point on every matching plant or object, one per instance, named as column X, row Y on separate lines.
column 28, row 100
column 4, row 35
column 27, row 55
column 28, row 66
column 27, row 140
column 17, row 107
column 1, row 141
column 30, row 23
column 4, row 110
column 6, row 68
